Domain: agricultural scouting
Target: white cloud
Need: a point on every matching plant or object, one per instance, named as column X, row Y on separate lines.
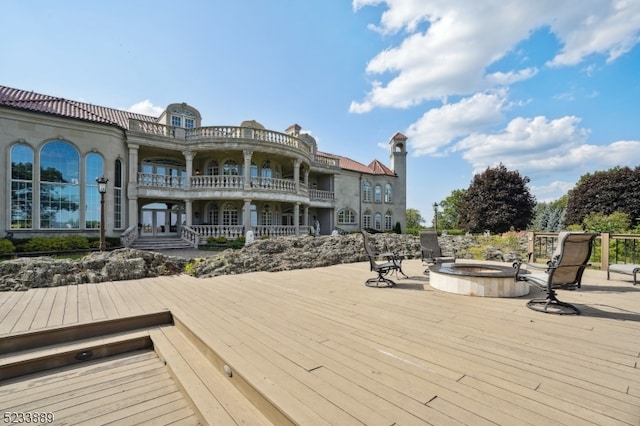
column 145, row 107
column 438, row 127
column 463, row 38
column 540, row 148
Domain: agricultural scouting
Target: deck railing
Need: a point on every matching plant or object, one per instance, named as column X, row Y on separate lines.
column 608, row 248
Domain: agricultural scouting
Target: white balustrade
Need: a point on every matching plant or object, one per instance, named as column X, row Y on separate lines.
column 162, row 181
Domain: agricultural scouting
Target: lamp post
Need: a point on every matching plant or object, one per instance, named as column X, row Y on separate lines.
column 102, row 188
column 435, row 217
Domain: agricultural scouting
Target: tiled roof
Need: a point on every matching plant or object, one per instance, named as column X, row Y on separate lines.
column 375, row 168
column 36, row 102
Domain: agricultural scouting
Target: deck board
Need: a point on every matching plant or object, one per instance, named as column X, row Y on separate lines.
column 119, row 389
column 327, row 349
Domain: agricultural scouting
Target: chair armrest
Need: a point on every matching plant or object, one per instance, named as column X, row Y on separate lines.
column 518, row 265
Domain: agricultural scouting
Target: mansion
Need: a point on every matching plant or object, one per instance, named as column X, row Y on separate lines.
column 172, row 176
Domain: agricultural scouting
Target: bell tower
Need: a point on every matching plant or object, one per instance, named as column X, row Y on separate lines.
column 398, row 147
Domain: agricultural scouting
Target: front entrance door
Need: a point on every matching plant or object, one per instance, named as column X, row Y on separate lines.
column 159, row 221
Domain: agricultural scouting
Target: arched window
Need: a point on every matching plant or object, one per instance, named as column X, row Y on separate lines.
column 387, row 193
column 346, row 216
column 59, row 186
column 212, row 168
column 388, row 219
column 212, row 214
column 366, row 219
column 21, row 187
column 230, row 168
column 229, row 214
column 117, row 195
column 377, row 195
column 378, row 222
column 93, row 170
column 366, row 191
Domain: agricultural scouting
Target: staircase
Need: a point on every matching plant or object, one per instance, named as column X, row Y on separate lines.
column 161, row 243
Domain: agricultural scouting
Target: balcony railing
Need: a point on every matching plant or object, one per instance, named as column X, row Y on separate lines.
column 317, row 194
column 217, row 181
column 327, row 160
column 162, row 181
column 218, row 132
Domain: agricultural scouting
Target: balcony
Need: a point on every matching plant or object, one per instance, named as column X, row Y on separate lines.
column 217, row 134
column 232, row 182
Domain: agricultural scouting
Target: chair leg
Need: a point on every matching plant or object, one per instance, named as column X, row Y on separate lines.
column 551, row 305
column 375, row 282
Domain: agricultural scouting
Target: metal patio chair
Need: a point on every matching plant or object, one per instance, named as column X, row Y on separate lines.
column 563, row 271
column 382, row 269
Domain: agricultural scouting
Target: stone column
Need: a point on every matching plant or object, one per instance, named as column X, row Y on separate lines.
column 247, row 215
column 296, row 217
column 188, row 211
column 188, row 156
column 132, row 186
column 296, row 174
column 305, row 216
column 247, row 169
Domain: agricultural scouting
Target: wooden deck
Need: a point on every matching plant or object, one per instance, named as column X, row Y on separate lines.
column 317, row 347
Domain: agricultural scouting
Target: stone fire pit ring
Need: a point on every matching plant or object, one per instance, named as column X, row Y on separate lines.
column 477, row 279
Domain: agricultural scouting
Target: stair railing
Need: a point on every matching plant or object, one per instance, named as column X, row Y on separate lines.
column 129, row 236
column 190, row 236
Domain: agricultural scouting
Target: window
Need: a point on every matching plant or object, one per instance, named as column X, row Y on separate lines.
column 189, row 123
column 377, row 195
column 366, row 219
column 21, row 187
column 117, row 195
column 266, row 216
column 59, row 186
column 229, row 215
column 378, row 221
column 176, row 121
column 366, row 192
column 346, row 216
column 212, row 214
column 212, row 168
column 93, row 170
column 230, row 168
column 266, row 171
column 387, row 193
column 387, row 221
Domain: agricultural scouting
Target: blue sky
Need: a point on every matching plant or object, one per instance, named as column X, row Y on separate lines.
column 550, row 88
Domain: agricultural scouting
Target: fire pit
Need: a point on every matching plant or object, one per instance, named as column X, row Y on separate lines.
column 477, row 279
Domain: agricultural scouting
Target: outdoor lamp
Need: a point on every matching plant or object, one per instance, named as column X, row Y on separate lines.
column 102, row 184
column 102, row 188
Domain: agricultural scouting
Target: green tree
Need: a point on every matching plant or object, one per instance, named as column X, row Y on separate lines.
column 606, row 192
column 449, row 217
column 414, row 218
column 497, row 200
column 616, row 222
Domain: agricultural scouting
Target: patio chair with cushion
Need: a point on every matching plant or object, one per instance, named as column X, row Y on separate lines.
column 382, row 269
column 431, row 251
column 565, row 271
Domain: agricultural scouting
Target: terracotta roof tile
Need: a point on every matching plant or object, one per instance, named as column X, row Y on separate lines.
column 375, row 168
column 30, row 101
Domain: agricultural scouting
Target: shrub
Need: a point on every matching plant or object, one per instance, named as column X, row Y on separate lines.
column 74, row 242
column 6, row 246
